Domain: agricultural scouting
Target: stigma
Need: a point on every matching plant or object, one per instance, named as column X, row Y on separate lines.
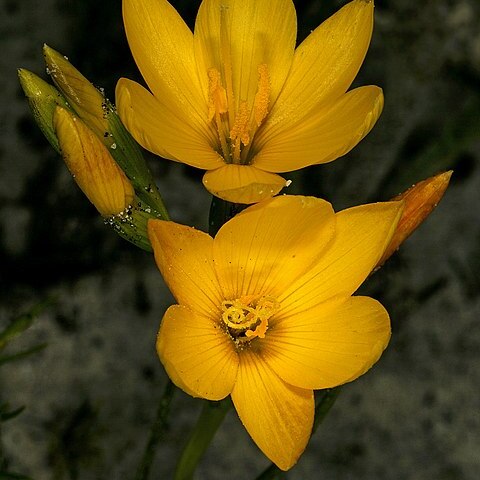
column 247, row 317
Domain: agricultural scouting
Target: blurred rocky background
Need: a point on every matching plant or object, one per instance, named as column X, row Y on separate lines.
column 91, row 394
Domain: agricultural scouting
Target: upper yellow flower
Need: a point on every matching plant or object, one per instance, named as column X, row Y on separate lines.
column 237, row 99
column 266, row 314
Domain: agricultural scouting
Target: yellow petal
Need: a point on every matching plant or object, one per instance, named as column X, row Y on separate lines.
column 267, row 246
column 254, row 33
column 94, row 169
column 242, row 183
column 278, row 417
column 325, row 63
column 185, row 259
column 162, row 46
column 160, row 130
column 329, row 344
column 83, row 97
column 361, row 236
column 197, row 354
column 325, row 135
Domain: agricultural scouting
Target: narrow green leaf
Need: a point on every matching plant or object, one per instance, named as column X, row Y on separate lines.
column 4, row 416
column 22, row 322
column 25, row 353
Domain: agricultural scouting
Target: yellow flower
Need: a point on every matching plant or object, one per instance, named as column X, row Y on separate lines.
column 92, row 166
column 237, row 99
column 265, row 312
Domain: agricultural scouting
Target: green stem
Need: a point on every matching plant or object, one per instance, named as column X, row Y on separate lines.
column 156, row 432
column 325, row 401
column 220, row 212
column 210, row 419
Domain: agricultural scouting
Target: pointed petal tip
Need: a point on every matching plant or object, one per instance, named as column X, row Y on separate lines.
column 419, row 202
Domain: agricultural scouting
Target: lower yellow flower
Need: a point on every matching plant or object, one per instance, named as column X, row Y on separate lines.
column 265, row 310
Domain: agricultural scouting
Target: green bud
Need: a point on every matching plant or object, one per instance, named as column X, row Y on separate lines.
column 43, row 98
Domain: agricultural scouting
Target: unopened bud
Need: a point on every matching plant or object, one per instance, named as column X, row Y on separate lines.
column 84, row 98
column 92, row 166
column 43, row 98
column 420, row 200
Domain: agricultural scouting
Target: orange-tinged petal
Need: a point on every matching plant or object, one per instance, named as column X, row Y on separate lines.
column 185, row 259
column 325, row 64
column 420, row 200
column 162, row 46
column 160, row 130
column 267, row 246
column 95, row 171
column 246, row 34
column 329, row 344
column 242, row 183
column 361, row 236
column 197, row 354
column 323, row 136
column 278, row 417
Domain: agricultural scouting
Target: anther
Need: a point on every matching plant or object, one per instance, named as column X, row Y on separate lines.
column 262, row 97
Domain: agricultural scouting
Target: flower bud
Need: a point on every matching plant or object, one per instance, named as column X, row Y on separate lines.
column 92, row 166
column 87, row 101
column 43, row 98
column 420, row 200
column 100, row 116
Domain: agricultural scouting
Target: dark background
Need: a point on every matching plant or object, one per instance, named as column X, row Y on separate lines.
column 90, row 396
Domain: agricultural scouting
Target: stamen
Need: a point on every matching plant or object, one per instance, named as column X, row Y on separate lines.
column 260, row 107
column 247, row 317
column 262, row 97
column 217, row 106
column 217, row 95
column 239, row 132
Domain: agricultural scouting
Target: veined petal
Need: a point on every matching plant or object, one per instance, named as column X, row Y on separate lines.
column 246, row 34
column 361, row 236
column 185, row 259
column 160, row 130
column 325, row 64
column 197, row 354
column 242, row 183
column 162, row 46
column 278, row 417
column 325, row 135
column 329, row 344
column 267, row 246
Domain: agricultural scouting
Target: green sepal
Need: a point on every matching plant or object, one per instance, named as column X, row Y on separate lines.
column 132, row 224
column 126, row 152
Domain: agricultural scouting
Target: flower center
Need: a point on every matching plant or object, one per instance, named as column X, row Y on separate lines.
column 247, row 317
column 236, row 120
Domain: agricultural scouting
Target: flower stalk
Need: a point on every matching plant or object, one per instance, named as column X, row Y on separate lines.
column 156, row 432
column 210, row 419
